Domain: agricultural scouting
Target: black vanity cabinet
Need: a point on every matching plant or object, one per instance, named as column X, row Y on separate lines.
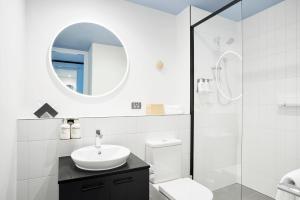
column 129, row 182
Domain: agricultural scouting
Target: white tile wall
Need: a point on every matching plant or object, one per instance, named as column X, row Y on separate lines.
column 45, row 188
column 271, row 70
column 23, row 161
column 42, row 158
column 41, row 130
column 39, row 146
column 22, row 190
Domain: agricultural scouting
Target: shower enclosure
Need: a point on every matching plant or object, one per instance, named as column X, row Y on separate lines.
column 244, row 98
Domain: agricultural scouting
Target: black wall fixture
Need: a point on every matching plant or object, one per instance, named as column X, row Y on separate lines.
column 192, row 72
column 46, row 111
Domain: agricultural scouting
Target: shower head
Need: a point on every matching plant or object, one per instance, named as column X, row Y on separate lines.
column 218, row 41
column 230, row 41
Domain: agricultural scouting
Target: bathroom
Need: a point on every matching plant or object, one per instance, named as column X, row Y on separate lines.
column 202, row 102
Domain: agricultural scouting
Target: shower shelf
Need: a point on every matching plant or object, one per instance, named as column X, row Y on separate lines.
column 289, row 102
column 284, row 105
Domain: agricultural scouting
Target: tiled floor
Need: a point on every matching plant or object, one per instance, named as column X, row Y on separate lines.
column 238, row 192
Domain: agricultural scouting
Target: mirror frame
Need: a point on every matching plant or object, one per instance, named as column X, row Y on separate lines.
column 64, row 87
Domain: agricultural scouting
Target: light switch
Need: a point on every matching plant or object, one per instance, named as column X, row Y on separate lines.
column 136, row 105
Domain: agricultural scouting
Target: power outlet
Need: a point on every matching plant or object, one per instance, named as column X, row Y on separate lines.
column 136, row 105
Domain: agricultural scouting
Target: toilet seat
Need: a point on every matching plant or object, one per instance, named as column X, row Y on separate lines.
column 183, row 189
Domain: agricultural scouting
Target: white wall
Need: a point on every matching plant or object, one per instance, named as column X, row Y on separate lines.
column 38, row 153
column 271, row 72
column 108, row 67
column 11, row 62
column 149, row 36
column 217, row 121
column 182, row 71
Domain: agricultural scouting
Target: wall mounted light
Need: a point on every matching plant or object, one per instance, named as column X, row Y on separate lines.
column 160, row 65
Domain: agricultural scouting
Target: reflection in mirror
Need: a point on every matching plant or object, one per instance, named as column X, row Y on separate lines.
column 89, row 59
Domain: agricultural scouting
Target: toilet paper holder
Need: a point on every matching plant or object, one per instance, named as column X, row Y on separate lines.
column 289, row 188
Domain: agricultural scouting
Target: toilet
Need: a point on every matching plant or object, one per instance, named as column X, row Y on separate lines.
column 166, row 182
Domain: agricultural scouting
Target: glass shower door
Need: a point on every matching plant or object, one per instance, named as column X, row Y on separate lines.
column 218, row 102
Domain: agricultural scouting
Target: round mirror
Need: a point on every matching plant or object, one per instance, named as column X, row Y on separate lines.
column 89, row 59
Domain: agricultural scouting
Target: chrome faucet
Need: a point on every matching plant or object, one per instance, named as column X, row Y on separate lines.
column 99, row 136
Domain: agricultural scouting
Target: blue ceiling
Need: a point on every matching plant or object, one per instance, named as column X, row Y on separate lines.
column 80, row 37
column 169, row 6
column 249, row 7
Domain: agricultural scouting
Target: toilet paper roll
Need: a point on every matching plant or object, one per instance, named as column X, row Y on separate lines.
column 292, row 178
column 151, row 173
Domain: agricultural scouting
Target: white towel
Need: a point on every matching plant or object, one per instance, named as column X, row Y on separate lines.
column 173, row 109
column 292, row 177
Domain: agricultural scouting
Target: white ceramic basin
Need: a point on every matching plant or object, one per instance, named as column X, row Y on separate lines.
column 112, row 156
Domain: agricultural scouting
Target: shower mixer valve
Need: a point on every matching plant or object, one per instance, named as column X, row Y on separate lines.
column 204, row 80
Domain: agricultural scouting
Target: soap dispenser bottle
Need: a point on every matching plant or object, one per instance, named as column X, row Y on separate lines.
column 75, row 130
column 65, row 132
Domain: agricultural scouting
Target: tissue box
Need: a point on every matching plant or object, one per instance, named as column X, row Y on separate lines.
column 155, row 109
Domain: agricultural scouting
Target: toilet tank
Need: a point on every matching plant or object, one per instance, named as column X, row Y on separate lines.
column 164, row 156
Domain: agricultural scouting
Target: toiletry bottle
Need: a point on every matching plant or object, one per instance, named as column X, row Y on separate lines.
column 75, row 130
column 65, row 131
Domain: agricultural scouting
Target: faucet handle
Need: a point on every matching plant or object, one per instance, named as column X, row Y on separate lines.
column 98, row 133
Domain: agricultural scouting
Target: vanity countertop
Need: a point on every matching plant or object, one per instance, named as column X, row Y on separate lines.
column 68, row 172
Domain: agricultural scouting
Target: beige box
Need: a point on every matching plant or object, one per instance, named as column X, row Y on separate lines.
column 155, row 109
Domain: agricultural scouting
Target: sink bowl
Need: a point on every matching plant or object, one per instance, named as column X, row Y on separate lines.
column 112, row 156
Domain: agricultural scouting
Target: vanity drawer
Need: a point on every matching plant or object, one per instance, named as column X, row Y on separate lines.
column 96, row 188
column 130, row 186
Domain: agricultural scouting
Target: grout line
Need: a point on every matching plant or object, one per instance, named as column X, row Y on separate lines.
column 104, row 117
column 29, row 179
column 38, row 140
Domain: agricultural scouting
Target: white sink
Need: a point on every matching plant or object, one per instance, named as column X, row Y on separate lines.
column 112, row 156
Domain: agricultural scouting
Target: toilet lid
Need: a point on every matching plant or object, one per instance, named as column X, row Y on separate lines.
column 185, row 188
